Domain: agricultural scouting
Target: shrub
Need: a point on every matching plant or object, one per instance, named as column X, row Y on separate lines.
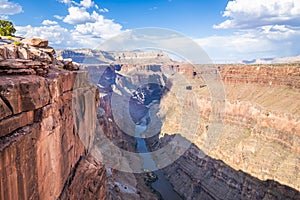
column 6, row 28
column 17, row 43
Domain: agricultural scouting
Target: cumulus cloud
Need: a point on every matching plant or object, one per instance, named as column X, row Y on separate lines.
column 89, row 29
column 82, row 3
column 49, row 22
column 100, row 27
column 263, row 28
column 255, row 13
column 86, row 3
column 55, row 33
column 78, row 16
column 9, row 8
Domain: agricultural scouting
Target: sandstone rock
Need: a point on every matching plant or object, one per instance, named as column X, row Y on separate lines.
column 3, row 53
column 48, row 50
column 38, row 160
column 17, row 72
column 4, row 110
column 12, row 51
column 24, row 92
column 23, row 53
column 41, row 72
column 36, row 42
column 70, row 65
column 94, row 184
column 37, row 54
column 9, row 125
column 12, row 64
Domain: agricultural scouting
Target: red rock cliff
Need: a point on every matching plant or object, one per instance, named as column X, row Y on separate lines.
column 41, row 153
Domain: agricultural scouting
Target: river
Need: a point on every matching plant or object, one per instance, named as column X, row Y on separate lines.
column 161, row 185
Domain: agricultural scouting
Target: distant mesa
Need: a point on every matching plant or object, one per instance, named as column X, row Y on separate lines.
column 96, row 57
column 294, row 59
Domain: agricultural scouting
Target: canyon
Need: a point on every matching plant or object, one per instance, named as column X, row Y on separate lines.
column 55, row 122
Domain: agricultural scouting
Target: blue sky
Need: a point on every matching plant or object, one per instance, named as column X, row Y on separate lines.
column 229, row 31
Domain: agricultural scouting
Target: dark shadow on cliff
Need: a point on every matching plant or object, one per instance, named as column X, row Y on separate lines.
column 196, row 175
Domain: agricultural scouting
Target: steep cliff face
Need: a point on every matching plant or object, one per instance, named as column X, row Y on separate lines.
column 40, row 145
column 41, row 153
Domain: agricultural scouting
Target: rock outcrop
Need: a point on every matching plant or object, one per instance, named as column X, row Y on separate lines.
column 41, row 153
column 29, row 56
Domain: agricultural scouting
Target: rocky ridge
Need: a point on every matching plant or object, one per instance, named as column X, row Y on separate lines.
column 96, row 57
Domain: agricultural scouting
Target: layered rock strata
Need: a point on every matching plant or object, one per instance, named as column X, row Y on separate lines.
column 260, row 135
column 41, row 153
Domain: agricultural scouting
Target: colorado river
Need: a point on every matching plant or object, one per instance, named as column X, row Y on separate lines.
column 162, row 185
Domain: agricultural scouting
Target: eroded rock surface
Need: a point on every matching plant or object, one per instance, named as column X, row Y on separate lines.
column 256, row 156
column 41, row 152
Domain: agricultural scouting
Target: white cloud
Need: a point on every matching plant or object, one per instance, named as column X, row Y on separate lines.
column 9, row 8
column 55, row 34
column 58, row 17
column 78, row 16
column 86, row 3
column 279, row 32
column 224, row 49
column 264, row 28
column 268, row 42
column 65, row 1
column 100, row 27
column 104, row 10
column 49, row 22
column 256, row 13
column 82, row 3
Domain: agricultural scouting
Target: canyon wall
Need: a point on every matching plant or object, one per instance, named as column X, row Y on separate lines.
column 41, row 153
column 40, row 145
column 257, row 152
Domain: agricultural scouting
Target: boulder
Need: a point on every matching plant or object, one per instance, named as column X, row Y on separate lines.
column 11, row 51
column 3, row 53
column 36, row 42
column 48, row 50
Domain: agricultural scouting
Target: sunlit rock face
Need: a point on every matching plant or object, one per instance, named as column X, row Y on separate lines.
column 40, row 144
column 43, row 154
column 256, row 156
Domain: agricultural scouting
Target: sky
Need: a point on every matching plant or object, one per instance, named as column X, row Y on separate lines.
column 228, row 31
